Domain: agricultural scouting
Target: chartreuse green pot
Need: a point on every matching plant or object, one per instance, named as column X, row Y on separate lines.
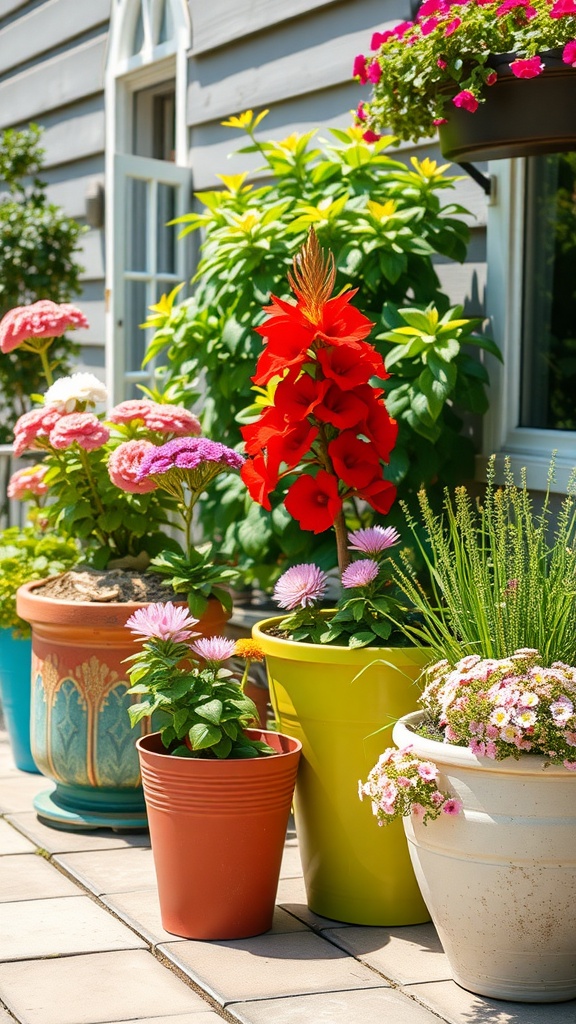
column 337, row 702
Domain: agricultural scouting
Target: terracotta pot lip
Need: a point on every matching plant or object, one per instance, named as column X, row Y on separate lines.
column 404, row 734
column 295, row 649
column 142, row 744
column 27, row 590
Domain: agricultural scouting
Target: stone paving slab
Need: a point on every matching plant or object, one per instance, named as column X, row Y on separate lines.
column 291, row 865
column 269, row 965
column 12, row 841
column 26, row 876
column 109, row 871
column 110, row 987
column 355, row 1007
column 292, row 897
column 58, row 927
column 457, row 1006
column 18, row 790
column 55, row 840
column 5, row 1017
column 203, row 1017
column 141, row 911
column 403, row 955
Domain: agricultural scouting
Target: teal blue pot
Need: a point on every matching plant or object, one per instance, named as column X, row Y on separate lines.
column 15, row 659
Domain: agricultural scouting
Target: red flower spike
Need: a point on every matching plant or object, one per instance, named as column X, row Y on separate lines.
column 380, row 495
column 256, row 435
column 342, row 409
column 258, row 481
column 350, row 367
column 380, row 429
column 296, row 398
column 355, row 462
column 291, row 448
column 314, row 502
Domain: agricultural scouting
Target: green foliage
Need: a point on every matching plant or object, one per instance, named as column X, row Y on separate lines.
column 197, row 576
column 203, row 705
column 502, row 577
column 38, row 260
column 29, row 554
column 384, row 221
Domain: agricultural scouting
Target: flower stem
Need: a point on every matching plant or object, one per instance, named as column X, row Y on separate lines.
column 341, row 541
column 46, row 369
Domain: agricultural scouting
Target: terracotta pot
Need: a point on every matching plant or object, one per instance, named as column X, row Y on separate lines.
column 338, row 701
column 521, row 117
column 499, row 879
column 217, row 830
column 81, row 736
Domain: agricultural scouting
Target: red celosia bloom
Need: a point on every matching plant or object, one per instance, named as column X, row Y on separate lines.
column 528, row 68
column 466, row 100
column 314, row 502
column 43, row 319
column 356, row 462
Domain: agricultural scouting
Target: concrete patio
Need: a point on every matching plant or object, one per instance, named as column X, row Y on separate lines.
column 81, row 943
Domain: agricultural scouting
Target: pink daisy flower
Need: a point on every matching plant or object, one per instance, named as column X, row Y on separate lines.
column 300, row 586
column 360, row 573
column 214, row 649
column 373, row 540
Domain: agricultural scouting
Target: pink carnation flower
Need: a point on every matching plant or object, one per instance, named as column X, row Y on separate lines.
column 32, row 426
column 27, row 483
column 161, row 621
column 81, row 428
column 528, row 68
column 466, row 100
column 163, row 419
column 43, row 319
column 124, row 465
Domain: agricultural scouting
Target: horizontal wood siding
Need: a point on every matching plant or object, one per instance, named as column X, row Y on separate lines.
column 41, row 29
column 220, row 23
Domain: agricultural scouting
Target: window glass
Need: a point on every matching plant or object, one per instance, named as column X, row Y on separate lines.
column 137, row 224
column 138, row 37
column 549, row 295
column 166, row 235
column 135, row 314
column 166, row 30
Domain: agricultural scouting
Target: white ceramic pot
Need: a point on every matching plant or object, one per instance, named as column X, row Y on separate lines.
column 499, row 879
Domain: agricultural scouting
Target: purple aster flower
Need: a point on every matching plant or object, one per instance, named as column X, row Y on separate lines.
column 360, row 574
column 214, row 649
column 373, row 540
column 300, row 586
column 189, row 453
column 161, row 621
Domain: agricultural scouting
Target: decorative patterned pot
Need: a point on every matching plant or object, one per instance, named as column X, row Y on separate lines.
column 499, row 879
column 15, row 658
column 81, row 736
column 521, row 117
column 353, row 871
column 217, row 830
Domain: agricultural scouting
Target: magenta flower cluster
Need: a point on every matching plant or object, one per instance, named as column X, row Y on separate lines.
column 188, row 453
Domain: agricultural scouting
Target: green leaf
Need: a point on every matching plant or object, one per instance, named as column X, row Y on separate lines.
column 212, row 711
column 203, row 736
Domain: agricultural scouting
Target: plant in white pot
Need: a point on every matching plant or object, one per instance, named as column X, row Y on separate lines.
column 496, row 77
column 218, row 790
column 491, row 758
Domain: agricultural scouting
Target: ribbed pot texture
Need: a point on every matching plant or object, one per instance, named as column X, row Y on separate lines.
column 499, row 879
column 217, row 830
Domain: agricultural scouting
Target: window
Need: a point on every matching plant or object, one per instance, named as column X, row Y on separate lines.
column 531, row 296
column 148, row 179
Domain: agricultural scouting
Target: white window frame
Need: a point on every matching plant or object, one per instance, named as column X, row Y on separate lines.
column 527, row 447
column 125, row 75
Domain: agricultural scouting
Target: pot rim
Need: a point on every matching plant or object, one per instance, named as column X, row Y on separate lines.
column 404, row 734
column 27, row 590
column 143, row 741
column 297, row 650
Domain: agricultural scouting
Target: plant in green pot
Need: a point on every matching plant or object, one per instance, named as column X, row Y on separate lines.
column 496, row 77
column 323, row 439
column 484, row 775
column 26, row 554
column 124, row 525
column 218, row 790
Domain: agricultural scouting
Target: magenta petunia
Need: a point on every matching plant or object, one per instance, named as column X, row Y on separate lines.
column 563, row 9
column 374, row 72
column 160, row 621
column 214, row 649
column 370, row 136
column 569, row 53
column 300, row 586
column 452, row 806
column 359, row 69
column 527, row 68
column 466, row 100
column 360, row 573
column 373, row 540
column 452, row 26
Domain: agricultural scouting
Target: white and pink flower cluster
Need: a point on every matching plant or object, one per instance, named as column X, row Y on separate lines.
column 401, row 784
column 500, row 708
